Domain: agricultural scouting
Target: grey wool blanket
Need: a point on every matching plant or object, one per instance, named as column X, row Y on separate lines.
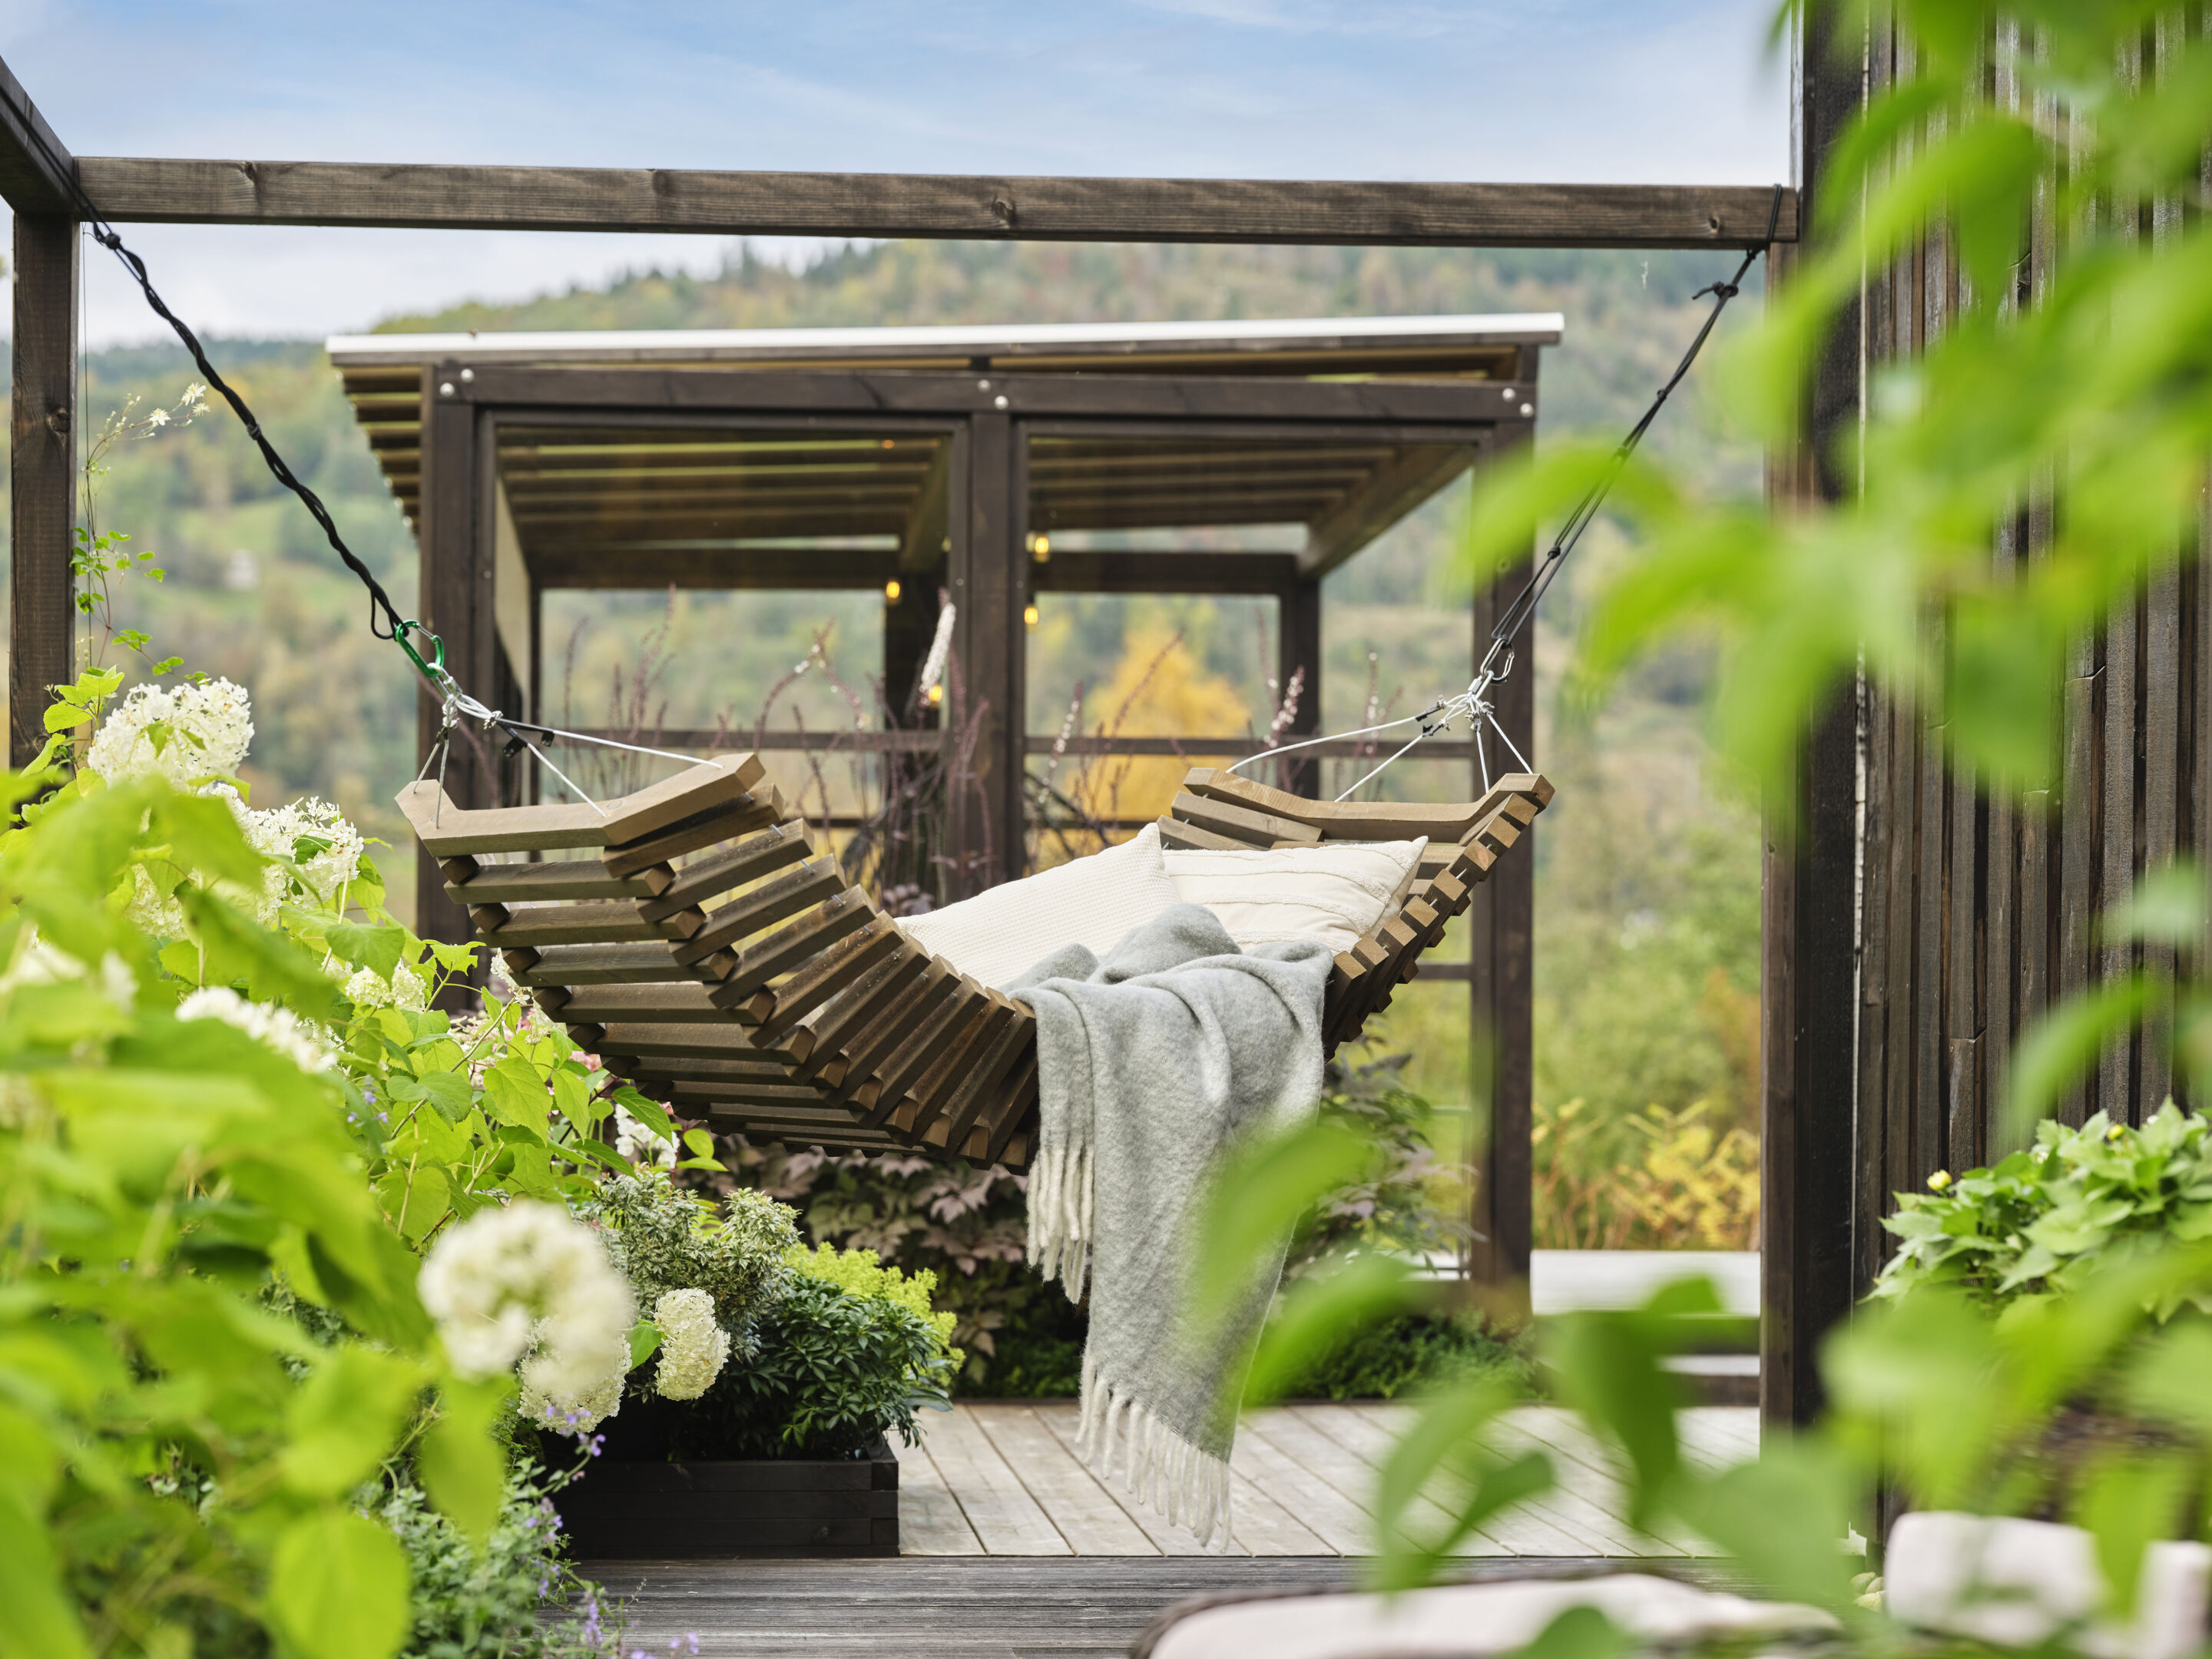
column 1151, row 1064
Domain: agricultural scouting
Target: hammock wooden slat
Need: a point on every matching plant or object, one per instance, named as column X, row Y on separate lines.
column 693, row 937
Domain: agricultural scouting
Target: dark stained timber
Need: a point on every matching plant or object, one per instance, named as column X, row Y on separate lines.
column 42, row 455
column 1359, row 213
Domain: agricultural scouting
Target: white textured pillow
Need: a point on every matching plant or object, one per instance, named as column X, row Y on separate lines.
column 1334, row 891
column 1090, row 900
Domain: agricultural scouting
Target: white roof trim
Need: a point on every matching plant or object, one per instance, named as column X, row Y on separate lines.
column 1532, row 328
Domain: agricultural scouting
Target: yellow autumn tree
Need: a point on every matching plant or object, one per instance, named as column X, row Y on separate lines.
column 1158, row 689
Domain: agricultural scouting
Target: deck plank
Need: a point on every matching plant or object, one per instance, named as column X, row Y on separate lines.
column 1060, row 1420
column 1527, row 1528
column 1592, row 1504
column 930, row 1520
column 1371, row 1441
column 1007, row 1520
column 1258, row 1525
column 1727, row 1432
column 1300, row 1432
column 987, row 1608
column 1340, row 1524
column 1077, row 1504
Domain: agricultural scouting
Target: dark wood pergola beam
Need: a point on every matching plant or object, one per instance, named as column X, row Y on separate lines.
column 1395, row 491
column 575, row 563
column 1349, row 212
column 35, row 165
column 1472, row 408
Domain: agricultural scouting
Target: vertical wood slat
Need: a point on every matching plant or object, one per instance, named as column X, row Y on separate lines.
column 2077, row 795
column 1501, row 930
column 1809, row 924
column 987, row 578
column 1297, row 647
column 1998, row 967
column 2161, row 770
column 1929, row 1105
column 42, row 476
column 456, row 589
column 1868, row 1174
column 2116, row 833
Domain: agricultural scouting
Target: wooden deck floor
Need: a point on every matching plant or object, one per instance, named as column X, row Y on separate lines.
column 1003, row 1479
column 1016, row 1553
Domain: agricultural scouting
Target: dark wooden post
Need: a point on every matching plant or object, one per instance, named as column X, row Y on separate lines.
column 457, row 606
column 987, row 578
column 1502, row 936
column 42, row 480
column 1298, row 646
column 1809, row 978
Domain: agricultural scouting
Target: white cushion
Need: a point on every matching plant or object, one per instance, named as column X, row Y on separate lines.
column 2020, row 1583
column 1454, row 1621
column 1092, row 902
column 1334, row 891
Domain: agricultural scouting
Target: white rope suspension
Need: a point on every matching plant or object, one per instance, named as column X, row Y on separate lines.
column 461, row 705
column 1472, row 705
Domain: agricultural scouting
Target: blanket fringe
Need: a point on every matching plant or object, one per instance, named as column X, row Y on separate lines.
column 1060, row 1216
column 1183, row 1482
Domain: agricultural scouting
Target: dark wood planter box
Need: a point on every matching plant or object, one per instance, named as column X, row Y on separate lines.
column 625, row 1511
column 635, row 1502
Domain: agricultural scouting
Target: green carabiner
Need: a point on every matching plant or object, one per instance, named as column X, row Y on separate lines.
column 436, row 675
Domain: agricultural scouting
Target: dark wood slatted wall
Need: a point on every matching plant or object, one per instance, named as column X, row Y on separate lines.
column 1979, row 904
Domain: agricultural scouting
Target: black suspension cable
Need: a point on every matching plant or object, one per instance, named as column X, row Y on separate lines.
column 385, row 621
column 1516, row 615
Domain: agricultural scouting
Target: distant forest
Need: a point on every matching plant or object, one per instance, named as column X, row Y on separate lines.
column 1647, row 874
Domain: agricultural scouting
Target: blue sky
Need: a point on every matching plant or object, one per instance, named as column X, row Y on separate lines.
column 1600, row 90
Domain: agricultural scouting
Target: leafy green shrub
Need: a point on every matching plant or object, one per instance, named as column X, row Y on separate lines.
column 1394, row 1204
column 1408, row 1354
column 1040, row 1353
column 834, row 1371
column 2037, row 1223
column 662, row 1238
column 964, row 1224
column 862, row 1273
column 159, row 1168
column 466, row 1604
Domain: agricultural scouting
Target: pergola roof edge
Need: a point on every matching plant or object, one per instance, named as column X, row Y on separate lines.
column 646, row 345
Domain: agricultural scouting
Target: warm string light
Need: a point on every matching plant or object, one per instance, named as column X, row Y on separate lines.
column 891, row 591
column 1029, row 615
column 936, row 694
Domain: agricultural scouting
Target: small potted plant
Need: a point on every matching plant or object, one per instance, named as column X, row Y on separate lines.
column 764, row 1381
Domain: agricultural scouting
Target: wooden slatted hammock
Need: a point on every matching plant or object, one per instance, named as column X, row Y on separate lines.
column 696, row 939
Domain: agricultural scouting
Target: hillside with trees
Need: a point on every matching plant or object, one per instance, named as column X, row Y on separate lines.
column 1647, row 909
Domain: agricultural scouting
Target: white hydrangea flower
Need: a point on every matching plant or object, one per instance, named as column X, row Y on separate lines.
column 578, row 1414
column 182, row 732
column 504, row 1278
column 38, row 963
column 693, row 1347
column 366, row 988
column 279, row 831
column 636, row 1142
column 154, row 912
column 296, row 1039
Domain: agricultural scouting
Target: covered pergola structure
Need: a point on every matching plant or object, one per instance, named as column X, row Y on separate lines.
column 961, row 462
column 1824, row 1102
